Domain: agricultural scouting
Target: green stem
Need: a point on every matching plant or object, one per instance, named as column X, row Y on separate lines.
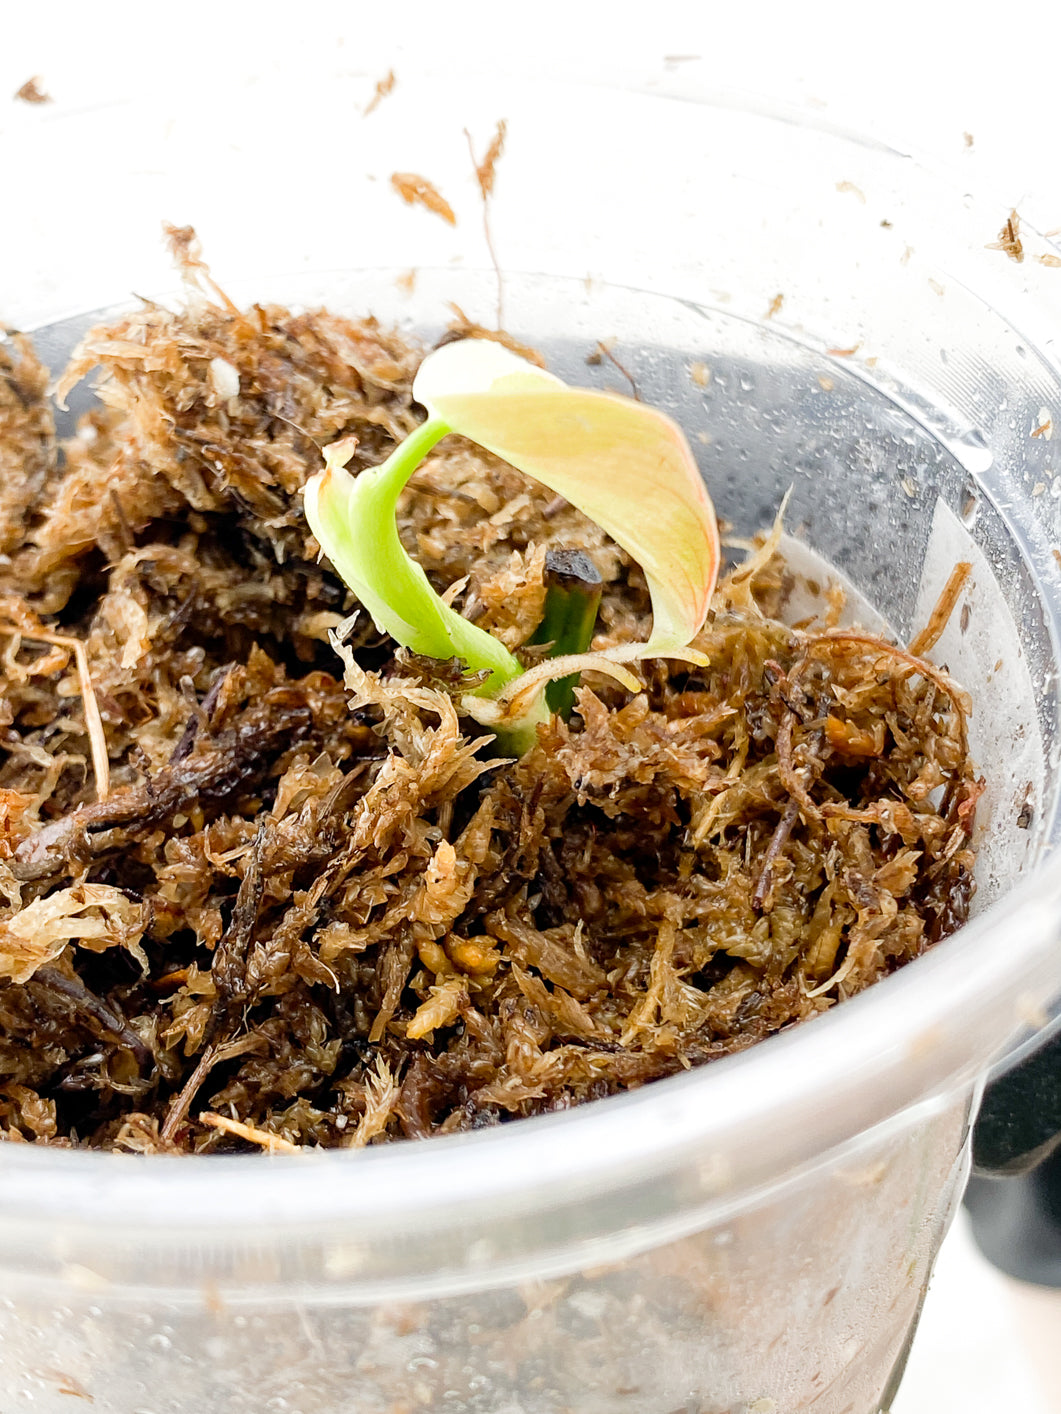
column 354, row 520
column 572, row 598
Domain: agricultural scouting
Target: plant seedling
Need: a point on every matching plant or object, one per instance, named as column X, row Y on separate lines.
column 625, row 465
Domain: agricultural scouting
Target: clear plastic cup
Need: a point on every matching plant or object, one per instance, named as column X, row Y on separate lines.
column 750, row 1237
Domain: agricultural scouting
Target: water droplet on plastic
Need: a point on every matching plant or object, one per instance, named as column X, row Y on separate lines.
column 971, row 450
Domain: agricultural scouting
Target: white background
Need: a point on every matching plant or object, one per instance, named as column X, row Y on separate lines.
column 920, row 76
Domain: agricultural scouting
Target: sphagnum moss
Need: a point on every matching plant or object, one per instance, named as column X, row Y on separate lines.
column 328, row 912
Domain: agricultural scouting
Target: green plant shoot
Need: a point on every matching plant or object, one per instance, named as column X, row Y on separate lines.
column 573, row 590
column 627, row 466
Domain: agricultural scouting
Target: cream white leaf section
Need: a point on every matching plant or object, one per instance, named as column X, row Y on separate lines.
column 624, row 464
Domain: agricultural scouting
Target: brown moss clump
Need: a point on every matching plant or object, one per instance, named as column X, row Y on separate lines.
column 315, row 912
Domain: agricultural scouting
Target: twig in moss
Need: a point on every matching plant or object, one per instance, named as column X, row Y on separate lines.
column 927, row 639
column 212, row 1055
column 786, row 766
column 762, row 898
column 104, row 1015
column 274, row 1143
column 182, row 1100
column 228, row 968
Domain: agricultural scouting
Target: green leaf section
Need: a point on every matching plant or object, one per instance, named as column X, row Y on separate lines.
column 354, row 520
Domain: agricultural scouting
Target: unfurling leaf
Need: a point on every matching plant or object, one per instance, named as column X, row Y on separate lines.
column 625, row 465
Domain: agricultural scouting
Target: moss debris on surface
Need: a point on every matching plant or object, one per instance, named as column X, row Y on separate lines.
column 321, row 910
